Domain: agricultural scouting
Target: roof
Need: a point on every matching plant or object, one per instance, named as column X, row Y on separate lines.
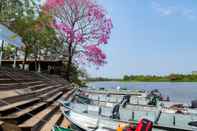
column 31, row 61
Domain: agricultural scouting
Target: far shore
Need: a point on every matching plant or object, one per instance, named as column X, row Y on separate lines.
column 139, row 81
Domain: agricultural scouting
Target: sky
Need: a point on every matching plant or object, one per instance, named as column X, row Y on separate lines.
column 150, row 37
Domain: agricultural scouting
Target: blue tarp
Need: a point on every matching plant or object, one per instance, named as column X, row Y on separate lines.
column 9, row 36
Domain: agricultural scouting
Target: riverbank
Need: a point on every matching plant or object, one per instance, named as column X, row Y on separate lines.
column 150, row 78
column 140, row 81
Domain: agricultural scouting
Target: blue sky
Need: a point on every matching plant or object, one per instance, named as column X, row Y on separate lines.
column 150, row 37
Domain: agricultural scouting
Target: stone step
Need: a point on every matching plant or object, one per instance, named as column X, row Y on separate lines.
column 24, row 112
column 29, row 94
column 51, row 122
column 47, row 89
column 12, row 107
column 35, row 122
column 1, row 124
column 31, row 83
column 55, row 97
column 6, row 80
column 39, row 86
column 52, row 92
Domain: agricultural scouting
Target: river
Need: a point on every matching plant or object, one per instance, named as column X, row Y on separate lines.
column 178, row 92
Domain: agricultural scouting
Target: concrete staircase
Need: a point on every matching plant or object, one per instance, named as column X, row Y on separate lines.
column 35, row 107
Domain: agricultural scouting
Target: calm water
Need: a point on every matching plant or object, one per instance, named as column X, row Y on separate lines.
column 178, row 92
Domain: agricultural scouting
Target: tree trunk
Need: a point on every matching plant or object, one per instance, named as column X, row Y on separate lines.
column 25, row 58
column 36, row 50
column 36, row 59
column 36, row 63
column 1, row 52
column 68, row 68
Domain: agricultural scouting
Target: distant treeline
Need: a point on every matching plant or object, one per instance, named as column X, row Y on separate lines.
column 103, row 79
column 171, row 77
column 152, row 78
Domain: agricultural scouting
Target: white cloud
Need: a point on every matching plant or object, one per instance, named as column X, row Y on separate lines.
column 172, row 10
column 163, row 11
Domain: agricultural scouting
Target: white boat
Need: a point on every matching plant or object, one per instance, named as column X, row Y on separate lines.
column 85, row 122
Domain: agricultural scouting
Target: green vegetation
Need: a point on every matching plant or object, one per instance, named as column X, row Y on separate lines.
column 151, row 78
column 40, row 40
column 103, row 79
column 168, row 78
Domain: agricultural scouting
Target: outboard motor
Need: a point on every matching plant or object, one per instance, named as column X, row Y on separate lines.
column 153, row 101
column 168, row 98
column 100, row 111
column 125, row 100
column 128, row 98
column 115, row 112
column 144, row 125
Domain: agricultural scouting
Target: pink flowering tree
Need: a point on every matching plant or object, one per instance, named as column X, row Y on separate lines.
column 84, row 28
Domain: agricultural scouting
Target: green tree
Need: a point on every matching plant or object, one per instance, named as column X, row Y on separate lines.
column 13, row 9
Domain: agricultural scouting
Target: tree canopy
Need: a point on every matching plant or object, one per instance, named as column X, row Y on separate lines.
column 84, row 26
column 73, row 30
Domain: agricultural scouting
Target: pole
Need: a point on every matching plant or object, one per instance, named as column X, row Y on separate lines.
column 1, row 52
column 15, row 57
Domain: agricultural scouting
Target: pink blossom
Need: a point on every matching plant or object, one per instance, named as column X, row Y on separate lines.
column 79, row 38
column 84, row 24
column 103, row 39
column 95, row 12
column 66, row 29
column 95, row 55
column 51, row 4
column 107, row 26
column 58, row 26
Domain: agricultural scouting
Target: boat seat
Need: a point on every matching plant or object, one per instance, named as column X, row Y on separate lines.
column 39, row 119
column 17, row 104
column 51, row 122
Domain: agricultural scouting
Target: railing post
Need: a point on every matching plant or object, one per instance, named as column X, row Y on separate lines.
column 174, row 120
column 133, row 116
